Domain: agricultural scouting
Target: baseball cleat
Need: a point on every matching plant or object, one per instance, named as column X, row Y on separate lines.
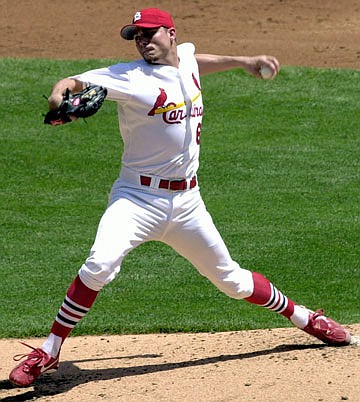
column 37, row 362
column 326, row 329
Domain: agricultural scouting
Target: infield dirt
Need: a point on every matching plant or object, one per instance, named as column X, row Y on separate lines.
column 278, row 365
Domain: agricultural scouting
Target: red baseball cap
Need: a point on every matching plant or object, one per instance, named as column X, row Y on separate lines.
column 147, row 18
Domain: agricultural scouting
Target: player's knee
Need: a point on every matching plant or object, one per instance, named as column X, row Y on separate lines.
column 96, row 274
column 237, row 283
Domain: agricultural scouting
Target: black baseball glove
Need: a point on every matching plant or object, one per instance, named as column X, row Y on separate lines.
column 82, row 104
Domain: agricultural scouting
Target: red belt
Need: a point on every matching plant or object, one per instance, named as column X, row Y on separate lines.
column 174, row 185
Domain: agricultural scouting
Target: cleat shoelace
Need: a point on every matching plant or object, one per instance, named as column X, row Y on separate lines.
column 33, row 358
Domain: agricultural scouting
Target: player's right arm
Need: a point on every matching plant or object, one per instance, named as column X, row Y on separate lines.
column 212, row 63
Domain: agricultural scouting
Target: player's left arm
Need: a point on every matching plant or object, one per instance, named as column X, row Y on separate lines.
column 69, row 100
column 211, row 63
column 59, row 89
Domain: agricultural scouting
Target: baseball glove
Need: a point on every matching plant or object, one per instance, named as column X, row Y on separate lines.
column 82, row 104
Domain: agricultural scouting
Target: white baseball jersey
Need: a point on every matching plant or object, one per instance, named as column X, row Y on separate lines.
column 160, row 111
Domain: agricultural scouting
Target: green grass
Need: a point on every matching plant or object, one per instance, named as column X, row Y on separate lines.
column 280, row 174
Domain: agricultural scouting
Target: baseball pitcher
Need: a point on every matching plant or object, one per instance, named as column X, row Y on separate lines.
column 157, row 196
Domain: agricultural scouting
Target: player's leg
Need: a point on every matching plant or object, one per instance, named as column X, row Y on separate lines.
column 118, row 232
column 124, row 225
column 196, row 238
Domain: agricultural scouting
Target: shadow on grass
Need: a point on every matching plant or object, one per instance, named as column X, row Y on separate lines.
column 57, row 384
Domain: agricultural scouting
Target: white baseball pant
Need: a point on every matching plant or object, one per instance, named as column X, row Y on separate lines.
column 137, row 214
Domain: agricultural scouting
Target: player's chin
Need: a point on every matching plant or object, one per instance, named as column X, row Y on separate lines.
column 149, row 57
column 150, row 60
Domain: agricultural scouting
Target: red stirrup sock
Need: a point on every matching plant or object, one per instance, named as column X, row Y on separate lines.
column 78, row 301
column 266, row 295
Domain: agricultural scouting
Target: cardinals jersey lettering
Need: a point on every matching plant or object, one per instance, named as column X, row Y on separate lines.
column 160, row 112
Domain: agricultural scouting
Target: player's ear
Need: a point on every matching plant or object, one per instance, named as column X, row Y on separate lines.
column 172, row 33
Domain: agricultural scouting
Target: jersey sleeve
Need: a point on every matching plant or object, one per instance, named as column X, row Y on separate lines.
column 186, row 49
column 114, row 78
column 186, row 53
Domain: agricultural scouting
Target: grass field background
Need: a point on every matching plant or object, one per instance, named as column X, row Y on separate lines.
column 280, row 174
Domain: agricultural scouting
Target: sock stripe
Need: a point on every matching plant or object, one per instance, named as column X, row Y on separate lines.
column 69, row 317
column 65, row 322
column 69, row 313
column 272, row 299
column 277, row 302
column 282, row 305
column 75, row 307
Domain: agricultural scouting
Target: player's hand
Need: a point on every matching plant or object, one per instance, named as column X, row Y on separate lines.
column 263, row 67
column 55, row 100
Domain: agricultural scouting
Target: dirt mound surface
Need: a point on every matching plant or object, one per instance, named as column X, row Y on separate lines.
column 278, row 365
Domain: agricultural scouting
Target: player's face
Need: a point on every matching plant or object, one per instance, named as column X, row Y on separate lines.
column 155, row 44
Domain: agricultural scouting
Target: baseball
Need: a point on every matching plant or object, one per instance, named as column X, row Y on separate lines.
column 266, row 72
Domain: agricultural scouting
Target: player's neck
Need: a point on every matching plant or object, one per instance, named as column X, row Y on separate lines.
column 170, row 59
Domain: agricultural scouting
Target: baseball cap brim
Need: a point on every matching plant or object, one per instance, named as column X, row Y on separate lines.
column 128, row 31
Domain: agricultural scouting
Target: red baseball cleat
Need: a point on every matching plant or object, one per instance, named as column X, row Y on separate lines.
column 327, row 330
column 37, row 362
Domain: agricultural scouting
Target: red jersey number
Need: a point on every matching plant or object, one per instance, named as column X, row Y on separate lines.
column 198, row 133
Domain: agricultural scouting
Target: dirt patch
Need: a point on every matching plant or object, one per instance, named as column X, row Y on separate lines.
column 298, row 32
column 271, row 365
column 278, row 365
